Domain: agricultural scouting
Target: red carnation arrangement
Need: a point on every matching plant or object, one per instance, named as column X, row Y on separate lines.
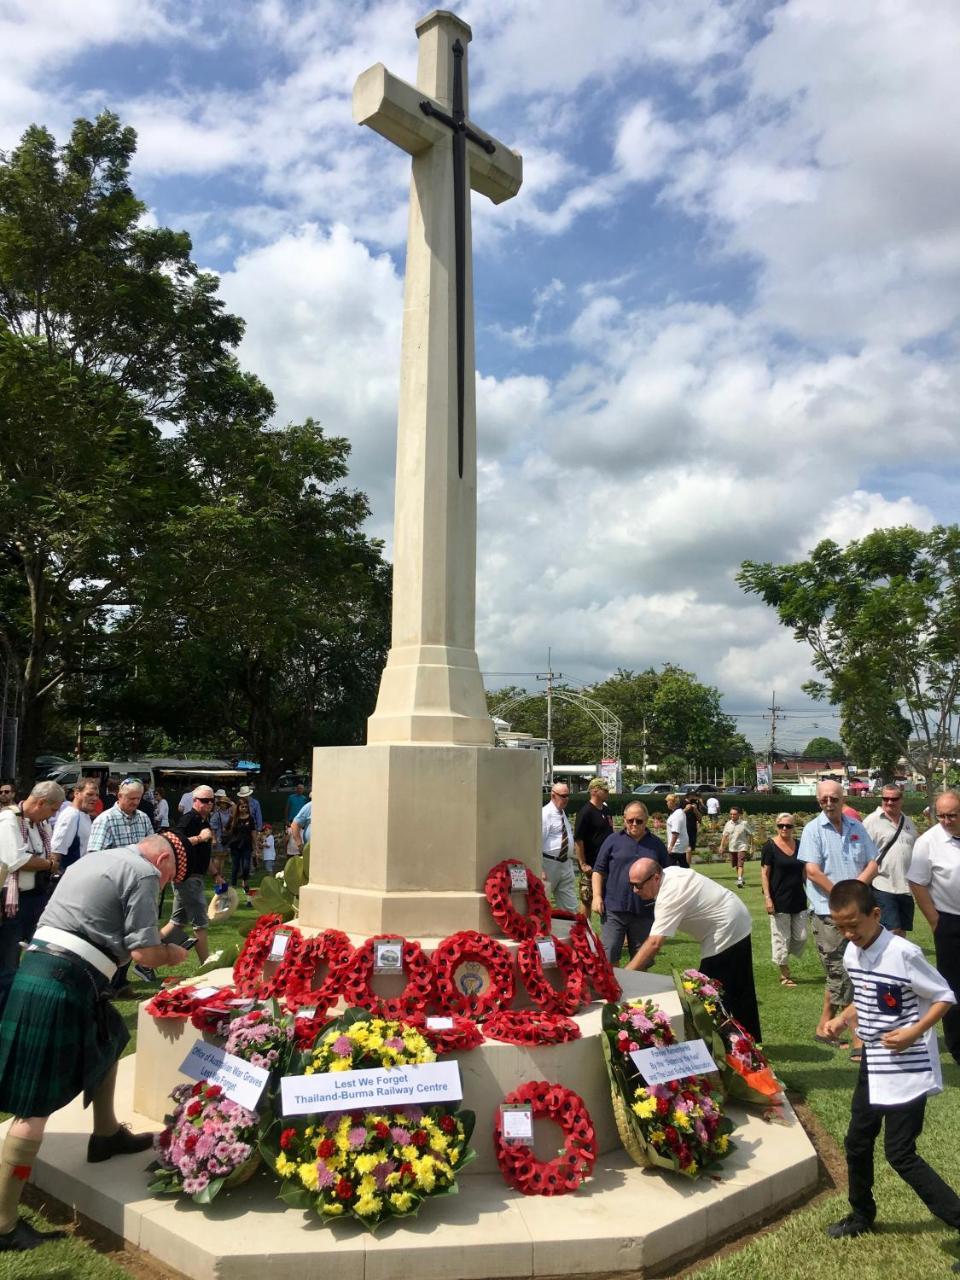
column 546, row 997
column 530, row 1027
column 332, row 947
column 461, row 948
column 513, row 924
column 567, row 1170
column 354, row 978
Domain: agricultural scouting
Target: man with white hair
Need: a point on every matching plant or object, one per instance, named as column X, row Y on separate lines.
column 60, row 1036
column 833, row 847
column 118, row 827
column 24, row 851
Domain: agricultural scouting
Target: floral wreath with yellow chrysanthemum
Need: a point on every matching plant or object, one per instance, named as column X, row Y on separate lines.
column 369, row 1164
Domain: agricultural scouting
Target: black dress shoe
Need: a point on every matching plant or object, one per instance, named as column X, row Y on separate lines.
column 24, row 1237
column 849, row 1228
column 121, row 1143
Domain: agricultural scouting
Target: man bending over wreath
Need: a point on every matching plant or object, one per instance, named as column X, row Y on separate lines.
column 684, row 900
column 60, row 1035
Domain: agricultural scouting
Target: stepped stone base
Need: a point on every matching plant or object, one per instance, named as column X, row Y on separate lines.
column 624, row 1221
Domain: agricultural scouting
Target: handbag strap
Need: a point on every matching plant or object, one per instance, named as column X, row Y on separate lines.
column 892, row 841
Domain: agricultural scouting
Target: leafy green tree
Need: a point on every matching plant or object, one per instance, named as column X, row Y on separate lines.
column 882, row 619
column 824, row 749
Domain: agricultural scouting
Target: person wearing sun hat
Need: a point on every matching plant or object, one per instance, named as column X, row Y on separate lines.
column 246, row 793
column 60, row 1035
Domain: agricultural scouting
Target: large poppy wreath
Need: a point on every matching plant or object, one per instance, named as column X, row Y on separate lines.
column 593, row 958
column 248, row 971
column 491, row 955
column 544, row 996
column 566, row 1171
column 354, row 977
column 332, row 947
column 513, row 924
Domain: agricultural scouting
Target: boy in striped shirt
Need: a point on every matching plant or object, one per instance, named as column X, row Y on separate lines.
column 898, row 998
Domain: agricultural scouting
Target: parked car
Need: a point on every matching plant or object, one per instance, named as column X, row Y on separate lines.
column 699, row 789
column 654, row 789
column 736, row 791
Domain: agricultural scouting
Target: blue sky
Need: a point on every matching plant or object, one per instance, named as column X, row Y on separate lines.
column 719, row 322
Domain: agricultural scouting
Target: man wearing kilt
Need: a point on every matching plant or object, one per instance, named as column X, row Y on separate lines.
column 60, row 1035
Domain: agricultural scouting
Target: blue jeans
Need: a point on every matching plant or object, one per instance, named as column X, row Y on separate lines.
column 621, row 926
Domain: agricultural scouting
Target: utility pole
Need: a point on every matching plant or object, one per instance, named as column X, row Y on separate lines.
column 644, row 731
column 550, row 675
column 775, row 715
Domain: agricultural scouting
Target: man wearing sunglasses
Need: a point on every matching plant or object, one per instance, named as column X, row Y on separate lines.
column 934, row 877
column 189, row 897
column 833, row 847
column 557, row 848
column 623, row 914
column 684, row 901
column 894, row 835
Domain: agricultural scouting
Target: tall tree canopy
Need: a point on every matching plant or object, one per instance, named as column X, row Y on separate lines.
column 172, row 561
column 882, row 619
column 824, row 749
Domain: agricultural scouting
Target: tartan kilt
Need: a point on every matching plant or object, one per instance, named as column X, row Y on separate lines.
column 57, row 1038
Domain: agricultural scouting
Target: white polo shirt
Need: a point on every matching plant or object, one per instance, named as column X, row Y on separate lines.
column 896, row 859
column 936, row 864
column 677, row 823
column 691, row 903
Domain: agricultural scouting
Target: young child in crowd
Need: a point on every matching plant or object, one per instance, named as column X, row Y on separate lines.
column 898, row 998
column 267, row 849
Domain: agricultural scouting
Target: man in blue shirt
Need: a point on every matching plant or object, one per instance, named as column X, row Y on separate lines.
column 623, row 914
column 300, row 827
column 833, row 847
column 295, row 801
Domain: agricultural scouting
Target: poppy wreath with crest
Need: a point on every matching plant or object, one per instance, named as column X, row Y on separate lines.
column 491, row 955
column 355, row 976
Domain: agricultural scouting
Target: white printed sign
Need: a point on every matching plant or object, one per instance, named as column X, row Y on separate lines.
column 421, row 1085
column 439, row 1024
column 204, row 993
column 516, row 1123
column 548, row 953
column 673, row 1061
column 241, row 1081
column 279, row 946
column 518, row 879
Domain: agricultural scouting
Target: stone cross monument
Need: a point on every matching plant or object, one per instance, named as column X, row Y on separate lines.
column 405, row 828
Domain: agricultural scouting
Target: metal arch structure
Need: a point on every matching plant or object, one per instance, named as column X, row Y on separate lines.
column 610, row 725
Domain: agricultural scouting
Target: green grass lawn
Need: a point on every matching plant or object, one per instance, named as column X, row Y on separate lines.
column 908, row 1242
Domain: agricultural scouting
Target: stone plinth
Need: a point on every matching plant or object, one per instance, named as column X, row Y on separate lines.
column 403, row 835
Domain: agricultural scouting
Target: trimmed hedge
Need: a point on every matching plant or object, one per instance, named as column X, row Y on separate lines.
column 752, row 803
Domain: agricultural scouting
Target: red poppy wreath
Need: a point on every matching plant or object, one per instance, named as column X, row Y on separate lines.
column 513, row 924
column 179, row 1002
column 544, row 996
column 489, row 954
column 594, row 960
column 332, row 948
column 463, row 1035
column 530, row 1027
column 215, row 1013
column 565, row 1172
column 248, row 971
column 355, row 974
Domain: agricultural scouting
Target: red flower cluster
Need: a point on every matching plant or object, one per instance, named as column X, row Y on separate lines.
column 354, row 976
column 463, row 1035
column 213, row 1013
column 490, row 955
column 546, row 997
column 179, row 1002
column 332, row 947
column 594, row 960
column 530, row 1027
column 565, row 1172
column 248, row 970
column 513, row 924
column 306, row 1030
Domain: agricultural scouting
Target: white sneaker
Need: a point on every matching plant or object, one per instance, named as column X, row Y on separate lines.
column 739, row 884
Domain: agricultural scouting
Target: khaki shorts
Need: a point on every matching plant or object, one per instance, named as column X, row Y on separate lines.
column 190, row 903
column 831, row 944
